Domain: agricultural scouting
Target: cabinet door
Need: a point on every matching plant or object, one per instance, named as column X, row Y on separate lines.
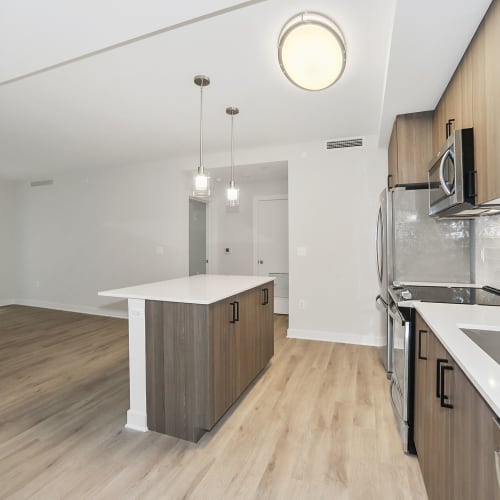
column 475, row 442
column 223, row 360
column 433, row 423
column 414, row 147
column 437, row 446
column 392, row 178
column 486, row 104
column 439, row 125
column 266, row 324
column 246, row 334
column 455, row 104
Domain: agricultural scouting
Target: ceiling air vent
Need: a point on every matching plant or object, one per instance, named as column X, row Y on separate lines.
column 48, row 182
column 344, row 143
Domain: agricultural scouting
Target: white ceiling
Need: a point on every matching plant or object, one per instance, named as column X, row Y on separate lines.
column 135, row 101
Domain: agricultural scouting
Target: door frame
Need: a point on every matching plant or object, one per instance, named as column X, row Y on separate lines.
column 256, row 200
column 208, row 227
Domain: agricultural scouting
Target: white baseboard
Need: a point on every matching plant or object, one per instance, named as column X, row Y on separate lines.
column 343, row 338
column 136, row 421
column 7, row 302
column 71, row 308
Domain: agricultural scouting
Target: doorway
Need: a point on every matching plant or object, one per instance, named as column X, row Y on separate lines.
column 197, row 237
column 271, row 245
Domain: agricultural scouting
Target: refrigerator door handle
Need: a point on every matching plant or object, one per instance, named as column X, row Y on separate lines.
column 379, row 246
column 380, row 300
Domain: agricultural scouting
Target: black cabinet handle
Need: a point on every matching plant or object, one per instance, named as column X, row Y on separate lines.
column 265, row 300
column 439, row 361
column 420, row 344
column 237, row 304
column 449, row 123
column 233, row 306
column 444, row 397
column 389, row 181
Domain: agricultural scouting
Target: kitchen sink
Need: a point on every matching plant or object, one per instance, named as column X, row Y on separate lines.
column 487, row 340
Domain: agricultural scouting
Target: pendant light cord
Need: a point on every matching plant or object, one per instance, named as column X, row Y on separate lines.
column 201, row 129
column 232, row 138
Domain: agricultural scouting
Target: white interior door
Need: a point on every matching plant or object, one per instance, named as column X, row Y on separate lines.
column 271, row 238
column 197, row 237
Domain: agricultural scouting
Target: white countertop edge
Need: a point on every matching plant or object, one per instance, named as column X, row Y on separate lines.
column 445, row 320
column 206, row 289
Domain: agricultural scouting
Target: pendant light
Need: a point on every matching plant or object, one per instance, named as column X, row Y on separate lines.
column 311, row 51
column 232, row 193
column 201, row 178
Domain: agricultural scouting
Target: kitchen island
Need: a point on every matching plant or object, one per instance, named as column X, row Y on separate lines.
column 195, row 344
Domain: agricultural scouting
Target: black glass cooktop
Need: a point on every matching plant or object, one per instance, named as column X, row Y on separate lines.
column 486, row 296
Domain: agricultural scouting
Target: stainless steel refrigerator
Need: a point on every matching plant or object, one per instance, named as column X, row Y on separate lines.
column 413, row 247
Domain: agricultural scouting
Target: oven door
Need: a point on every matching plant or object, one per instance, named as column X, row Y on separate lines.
column 400, row 370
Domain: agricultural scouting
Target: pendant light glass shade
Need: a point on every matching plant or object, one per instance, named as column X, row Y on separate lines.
column 232, row 193
column 311, row 51
column 201, row 188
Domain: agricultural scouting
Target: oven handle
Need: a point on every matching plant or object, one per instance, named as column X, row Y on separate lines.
column 444, row 186
column 393, row 402
column 395, row 314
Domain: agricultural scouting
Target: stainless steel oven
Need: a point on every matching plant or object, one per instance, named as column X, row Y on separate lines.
column 401, row 399
column 402, row 322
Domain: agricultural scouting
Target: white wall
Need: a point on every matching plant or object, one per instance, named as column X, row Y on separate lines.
column 333, row 203
column 333, row 206
column 233, row 227
column 7, row 242
column 487, row 234
column 97, row 230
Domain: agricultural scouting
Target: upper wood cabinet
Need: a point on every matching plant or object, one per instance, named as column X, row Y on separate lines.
column 485, row 50
column 472, row 99
column 456, row 435
column 410, row 149
column 454, row 110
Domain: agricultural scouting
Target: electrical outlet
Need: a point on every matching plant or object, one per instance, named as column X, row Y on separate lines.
column 302, row 304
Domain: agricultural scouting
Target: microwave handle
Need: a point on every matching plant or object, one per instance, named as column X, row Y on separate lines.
column 444, row 186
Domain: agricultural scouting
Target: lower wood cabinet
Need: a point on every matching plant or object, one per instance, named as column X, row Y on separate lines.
column 456, row 433
column 200, row 358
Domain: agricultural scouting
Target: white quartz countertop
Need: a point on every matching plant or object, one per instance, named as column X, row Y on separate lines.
column 200, row 289
column 445, row 320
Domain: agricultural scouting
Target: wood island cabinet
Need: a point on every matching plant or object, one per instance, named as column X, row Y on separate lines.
column 410, row 149
column 201, row 357
column 456, row 433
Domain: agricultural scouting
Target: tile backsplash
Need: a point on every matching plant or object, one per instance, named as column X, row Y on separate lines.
column 487, row 250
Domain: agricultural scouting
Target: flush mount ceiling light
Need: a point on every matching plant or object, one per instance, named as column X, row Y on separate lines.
column 232, row 193
column 311, row 51
column 201, row 178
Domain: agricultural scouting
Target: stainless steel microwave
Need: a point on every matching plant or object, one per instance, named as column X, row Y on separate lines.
column 452, row 182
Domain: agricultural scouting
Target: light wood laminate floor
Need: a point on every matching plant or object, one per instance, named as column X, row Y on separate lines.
column 317, row 424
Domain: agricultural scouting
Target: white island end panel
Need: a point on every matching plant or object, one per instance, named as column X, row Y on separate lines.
column 137, row 414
